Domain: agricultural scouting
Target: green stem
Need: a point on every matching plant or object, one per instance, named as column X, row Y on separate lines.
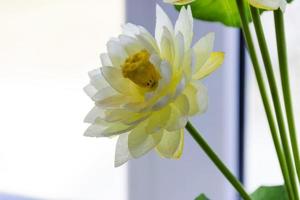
column 264, row 96
column 283, row 65
column 275, row 96
column 216, row 160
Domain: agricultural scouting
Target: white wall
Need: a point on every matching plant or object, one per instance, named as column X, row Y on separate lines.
column 46, row 49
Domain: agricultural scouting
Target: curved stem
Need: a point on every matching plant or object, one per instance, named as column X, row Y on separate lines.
column 264, row 96
column 216, row 160
column 275, row 96
column 283, row 66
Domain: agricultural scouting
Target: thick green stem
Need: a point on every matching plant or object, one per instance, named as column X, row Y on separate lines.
column 216, row 160
column 275, row 96
column 264, row 96
column 283, row 66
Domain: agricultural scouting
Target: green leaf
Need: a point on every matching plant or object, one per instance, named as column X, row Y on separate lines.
column 270, row 193
column 202, row 197
column 224, row 11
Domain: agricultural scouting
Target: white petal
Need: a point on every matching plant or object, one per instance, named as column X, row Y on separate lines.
column 167, row 46
column 115, row 78
column 98, row 130
column 185, row 25
column 116, row 52
column 130, row 29
column 179, row 50
column 180, row 87
column 90, row 90
column 94, row 114
column 162, row 102
column 97, row 80
column 104, row 94
column 165, row 70
column 130, row 44
column 105, row 60
column 203, row 49
column 162, row 20
column 122, row 154
column 139, row 142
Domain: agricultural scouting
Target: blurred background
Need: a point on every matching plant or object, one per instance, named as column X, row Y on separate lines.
column 46, row 49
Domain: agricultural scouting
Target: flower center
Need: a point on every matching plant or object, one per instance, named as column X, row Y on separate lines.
column 141, row 71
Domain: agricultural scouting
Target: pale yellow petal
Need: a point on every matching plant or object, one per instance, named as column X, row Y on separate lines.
column 179, row 114
column 269, row 4
column 214, row 61
column 171, row 144
column 178, row 2
column 167, row 46
column 116, row 80
column 191, row 93
column 203, row 49
column 140, row 143
column 158, row 120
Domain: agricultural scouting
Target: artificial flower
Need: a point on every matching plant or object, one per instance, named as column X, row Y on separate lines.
column 269, row 4
column 178, row 2
column 148, row 87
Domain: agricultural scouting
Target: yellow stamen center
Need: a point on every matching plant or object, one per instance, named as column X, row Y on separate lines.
column 141, row 71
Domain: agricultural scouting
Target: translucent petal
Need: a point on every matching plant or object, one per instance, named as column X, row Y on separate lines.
column 203, row 49
column 179, row 114
column 162, row 20
column 105, row 60
column 191, row 93
column 122, row 154
column 115, row 101
column 269, row 4
column 130, row 44
column 179, row 50
column 104, row 94
column 96, row 79
column 167, row 46
column 184, row 25
column 124, row 116
column 145, row 34
column 214, row 61
column 165, row 70
column 116, row 52
column 94, row 114
column 158, row 120
column 139, row 142
column 171, row 144
column 90, row 90
column 202, row 97
column 130, row 29
column 98, row 130
column 115, row 78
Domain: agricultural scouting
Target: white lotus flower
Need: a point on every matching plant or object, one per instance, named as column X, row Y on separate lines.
column 148, row 87
column 269, row 4
column 178, row 2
